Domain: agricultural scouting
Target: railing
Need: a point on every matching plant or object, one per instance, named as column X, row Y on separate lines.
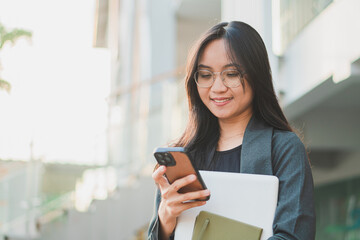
column 23, row 207
column 29, row 224
column 293, row 16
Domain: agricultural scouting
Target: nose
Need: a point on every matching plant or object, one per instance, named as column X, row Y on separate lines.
column 218, row 85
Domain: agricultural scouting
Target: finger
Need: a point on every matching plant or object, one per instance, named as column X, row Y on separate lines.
column 188, row 205
column 158, row 176
column 194, row 195
column 174, row 209
column 182, row 182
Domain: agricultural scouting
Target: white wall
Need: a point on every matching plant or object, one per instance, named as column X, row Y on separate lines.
column 327, row 46
column 347, row 167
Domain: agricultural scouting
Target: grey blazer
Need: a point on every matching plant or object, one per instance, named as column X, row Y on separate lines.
column 281, row 153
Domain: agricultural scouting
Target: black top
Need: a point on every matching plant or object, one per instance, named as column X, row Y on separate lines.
column 228, row 161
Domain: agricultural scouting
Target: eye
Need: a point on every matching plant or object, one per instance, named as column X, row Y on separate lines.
column 232, row 74
column 204, row 75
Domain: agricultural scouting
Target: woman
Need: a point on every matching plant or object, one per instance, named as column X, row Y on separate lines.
column 237, row 125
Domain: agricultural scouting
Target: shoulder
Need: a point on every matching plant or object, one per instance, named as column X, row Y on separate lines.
column 282, row 138
column 287, row 149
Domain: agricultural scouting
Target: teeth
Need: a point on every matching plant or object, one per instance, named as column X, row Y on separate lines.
column 220, row 101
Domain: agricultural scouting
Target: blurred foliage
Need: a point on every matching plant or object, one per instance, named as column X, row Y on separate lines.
column 141, row 233
column 4, row 85
column 10, row 36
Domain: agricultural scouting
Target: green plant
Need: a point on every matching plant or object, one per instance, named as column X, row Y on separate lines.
column 10, row 36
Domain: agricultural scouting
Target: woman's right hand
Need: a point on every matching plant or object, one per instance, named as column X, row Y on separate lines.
column 173, row 203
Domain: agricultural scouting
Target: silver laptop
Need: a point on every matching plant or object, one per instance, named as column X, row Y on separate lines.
column 249, row 198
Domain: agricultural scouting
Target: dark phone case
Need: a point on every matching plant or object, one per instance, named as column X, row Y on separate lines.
column 182, row 168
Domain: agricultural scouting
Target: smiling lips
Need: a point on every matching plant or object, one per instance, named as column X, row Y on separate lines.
column 221, row 101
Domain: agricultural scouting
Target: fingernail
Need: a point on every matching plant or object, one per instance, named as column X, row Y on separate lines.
column 192, row 177
column 162, row 168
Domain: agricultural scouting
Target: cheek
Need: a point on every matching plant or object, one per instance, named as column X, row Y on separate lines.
column 202, row 94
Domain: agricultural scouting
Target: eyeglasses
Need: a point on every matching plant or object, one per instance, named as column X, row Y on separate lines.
column 231, row 78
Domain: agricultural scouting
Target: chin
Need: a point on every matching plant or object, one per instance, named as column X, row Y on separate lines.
column 222, row 116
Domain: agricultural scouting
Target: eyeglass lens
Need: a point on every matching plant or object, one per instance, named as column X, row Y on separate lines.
column 230, row 78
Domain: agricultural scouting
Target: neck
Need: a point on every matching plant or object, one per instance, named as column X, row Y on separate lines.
column 232, row 131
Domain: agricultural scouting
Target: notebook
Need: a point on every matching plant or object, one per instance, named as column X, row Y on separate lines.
column 209, row 226
column 249, row 198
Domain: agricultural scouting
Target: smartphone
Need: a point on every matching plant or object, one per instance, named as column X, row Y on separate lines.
column 179, row 165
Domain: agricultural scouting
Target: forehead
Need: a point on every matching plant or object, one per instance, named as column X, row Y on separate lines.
column 215, row 54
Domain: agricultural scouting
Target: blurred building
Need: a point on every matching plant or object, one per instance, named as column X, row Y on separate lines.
column 149, row 41
column 319, row 80
column 314, row 53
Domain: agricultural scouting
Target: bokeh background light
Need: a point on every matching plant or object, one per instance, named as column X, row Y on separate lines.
column 57, row 109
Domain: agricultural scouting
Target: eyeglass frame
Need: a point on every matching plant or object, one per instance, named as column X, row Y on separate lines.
column 242, row 73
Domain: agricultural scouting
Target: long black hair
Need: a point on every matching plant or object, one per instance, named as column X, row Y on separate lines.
column 245, row 48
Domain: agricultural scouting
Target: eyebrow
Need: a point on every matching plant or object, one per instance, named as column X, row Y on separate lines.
column 226, row 66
